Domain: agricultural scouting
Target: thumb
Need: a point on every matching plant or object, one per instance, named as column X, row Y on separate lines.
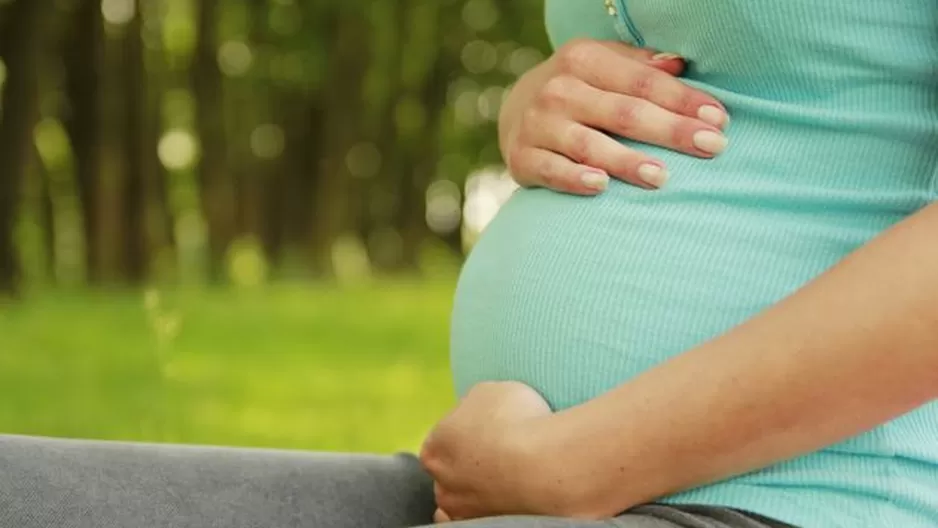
column 440, row 516
column 671, row 63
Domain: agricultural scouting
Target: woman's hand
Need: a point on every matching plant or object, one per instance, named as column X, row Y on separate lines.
column 555, row 127
column 481, row 458
column 440, row 517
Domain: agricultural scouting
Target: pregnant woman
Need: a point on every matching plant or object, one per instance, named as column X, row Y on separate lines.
column 761, row 331
column 741, row 333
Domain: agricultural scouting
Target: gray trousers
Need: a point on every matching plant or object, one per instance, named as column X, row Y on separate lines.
column 47, row 483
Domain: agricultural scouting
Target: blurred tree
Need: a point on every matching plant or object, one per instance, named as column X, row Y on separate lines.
column 84, row 55
column 423, row 79
column 46, row 216
column 217, row 196
column 150, row 56
column 340, row 130
column 21, row 43
column 138, row 143
column 313, row 134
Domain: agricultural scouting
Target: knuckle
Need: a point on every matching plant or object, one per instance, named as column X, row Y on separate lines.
column 547, row 173
column 679, row 136
column 426, row 451
column 530, row 115
column 641, row 86
column 529, row 120
column 438, row 490
column 433, row 450
column 551, row 181
column 429, row 463
column 621, row 161
column 444, row 503
column 645, row 83
column 520, row 168
column 579, row 147
column 623, row 165
column 514, row 158
column 555, row 92
column 682, row 134
column 526, row 135
column 627, row 118
column 572, row 55
column 687, row 102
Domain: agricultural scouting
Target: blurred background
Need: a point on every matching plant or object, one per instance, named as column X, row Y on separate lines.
column 241, row 221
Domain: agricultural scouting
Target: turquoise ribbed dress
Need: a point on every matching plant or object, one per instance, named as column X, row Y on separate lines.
column 834, row 138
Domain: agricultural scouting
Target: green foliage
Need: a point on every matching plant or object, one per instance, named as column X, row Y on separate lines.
column 361, row 369
column 189, row 142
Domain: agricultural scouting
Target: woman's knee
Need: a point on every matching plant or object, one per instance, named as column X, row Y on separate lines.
column 121, row 484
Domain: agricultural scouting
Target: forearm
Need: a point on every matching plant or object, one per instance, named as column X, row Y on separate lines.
column 850, row 351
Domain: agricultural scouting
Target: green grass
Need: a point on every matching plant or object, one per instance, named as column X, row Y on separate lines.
column 349, row 369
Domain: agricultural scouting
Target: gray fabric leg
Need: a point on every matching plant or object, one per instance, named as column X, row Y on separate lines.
column 46, row 483
column 704, row 517
column 653, row 516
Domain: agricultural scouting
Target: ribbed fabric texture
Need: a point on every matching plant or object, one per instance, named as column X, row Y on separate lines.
column 834, row 138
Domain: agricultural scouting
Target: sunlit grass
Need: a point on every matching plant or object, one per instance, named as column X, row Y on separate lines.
column 361, row 369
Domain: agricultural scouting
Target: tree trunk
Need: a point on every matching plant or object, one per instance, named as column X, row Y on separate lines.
column 217, row 193
column 163, row 227
column 383, row 189
column 301, row 173
column 160, row 221
column 135, row 246
column 83, row 60
column 21, row 47
column 248, row 108
column 46, row 216
column 341, row 129
column 419, row 150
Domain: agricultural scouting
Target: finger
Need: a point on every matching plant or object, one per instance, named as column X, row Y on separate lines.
column 445, row 500
column 440, row 516
column 670, row 63
column 460, row 506
column 618, row 71
column 447, row 486
column 621, row 115
column 536, row 167
column 590, row 147
column 641, row 120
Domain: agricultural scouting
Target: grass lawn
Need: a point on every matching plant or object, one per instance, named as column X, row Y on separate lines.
column 298, row 366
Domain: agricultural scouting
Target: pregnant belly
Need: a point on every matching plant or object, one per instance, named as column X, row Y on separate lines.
column 575, row 295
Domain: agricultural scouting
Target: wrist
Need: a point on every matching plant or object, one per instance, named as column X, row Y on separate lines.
column 590, row 465
column 558, row 470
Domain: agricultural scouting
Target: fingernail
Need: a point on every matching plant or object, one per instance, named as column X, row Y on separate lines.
column 712, row 115
column 710, row 141
column 653, row 174
column 664, row 56
column 595, row 180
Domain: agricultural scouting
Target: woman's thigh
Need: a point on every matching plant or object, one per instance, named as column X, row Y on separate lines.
column 48, row 483
column 652, row 516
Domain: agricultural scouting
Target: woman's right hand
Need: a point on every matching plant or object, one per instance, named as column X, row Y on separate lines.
column 557, row 127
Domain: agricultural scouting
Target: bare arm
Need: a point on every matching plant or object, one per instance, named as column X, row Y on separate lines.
column 854, row 349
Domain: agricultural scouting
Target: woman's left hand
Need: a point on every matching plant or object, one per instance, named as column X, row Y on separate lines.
column 484, row 455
